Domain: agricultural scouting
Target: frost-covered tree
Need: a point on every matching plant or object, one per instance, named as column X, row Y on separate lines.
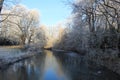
column 39, row 39
column 24, row 23
column 95, row 24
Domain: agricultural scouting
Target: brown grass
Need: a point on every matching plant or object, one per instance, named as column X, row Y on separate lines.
column 16, row 46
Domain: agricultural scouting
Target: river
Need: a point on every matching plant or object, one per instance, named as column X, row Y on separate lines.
column 56, row 66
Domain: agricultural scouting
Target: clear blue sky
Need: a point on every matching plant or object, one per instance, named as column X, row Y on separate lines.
column 51, row 11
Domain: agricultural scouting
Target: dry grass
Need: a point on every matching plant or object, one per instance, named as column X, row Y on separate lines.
column 16, row 46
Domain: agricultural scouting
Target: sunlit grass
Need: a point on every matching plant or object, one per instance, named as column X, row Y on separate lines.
column 14, row 46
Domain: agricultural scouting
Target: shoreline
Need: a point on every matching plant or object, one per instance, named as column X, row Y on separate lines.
column 7, row 60
column 108, row 58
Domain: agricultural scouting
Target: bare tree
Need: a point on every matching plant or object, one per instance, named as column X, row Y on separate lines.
column 24, row 24
column 95, row 24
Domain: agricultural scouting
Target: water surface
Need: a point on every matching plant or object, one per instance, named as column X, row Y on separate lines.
column 56, row 66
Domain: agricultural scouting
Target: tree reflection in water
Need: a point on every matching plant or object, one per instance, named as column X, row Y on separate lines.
column 78, row 68
column 56, row 66
column 52, row 68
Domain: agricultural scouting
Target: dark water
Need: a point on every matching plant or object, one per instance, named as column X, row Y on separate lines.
column 56, row 66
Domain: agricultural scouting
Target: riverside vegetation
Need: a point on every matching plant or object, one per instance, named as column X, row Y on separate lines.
column 93, row 31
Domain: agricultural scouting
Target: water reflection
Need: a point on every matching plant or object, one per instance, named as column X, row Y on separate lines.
column 79, row 69
column 56, row 66
column 52, row 69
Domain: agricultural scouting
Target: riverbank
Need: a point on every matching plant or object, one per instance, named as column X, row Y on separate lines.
column 10, row 55
column 108, row 58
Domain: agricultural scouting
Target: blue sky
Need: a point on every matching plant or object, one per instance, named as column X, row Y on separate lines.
column 51, row 11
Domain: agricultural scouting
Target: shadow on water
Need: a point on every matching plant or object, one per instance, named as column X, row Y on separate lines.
column 56, row 66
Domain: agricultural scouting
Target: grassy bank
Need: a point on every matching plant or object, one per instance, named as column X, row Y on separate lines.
column 12, row 54
column 108, row 58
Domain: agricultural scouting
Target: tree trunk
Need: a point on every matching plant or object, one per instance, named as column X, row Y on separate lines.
column 1, row 5
column 23, row 38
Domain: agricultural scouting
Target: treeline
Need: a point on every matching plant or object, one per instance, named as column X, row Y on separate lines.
column 95, row 25
column 20, row 26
